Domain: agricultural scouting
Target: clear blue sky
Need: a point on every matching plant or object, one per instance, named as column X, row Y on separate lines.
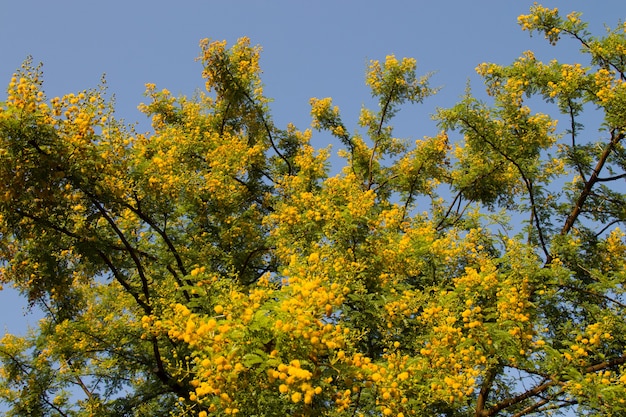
column 310, row 48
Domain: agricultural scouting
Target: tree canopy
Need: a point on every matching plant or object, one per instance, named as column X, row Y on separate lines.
column 218, row 265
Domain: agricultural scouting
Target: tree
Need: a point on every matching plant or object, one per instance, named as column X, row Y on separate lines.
column 215, row 266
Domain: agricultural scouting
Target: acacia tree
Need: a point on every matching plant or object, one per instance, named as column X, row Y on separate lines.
column 214, row 266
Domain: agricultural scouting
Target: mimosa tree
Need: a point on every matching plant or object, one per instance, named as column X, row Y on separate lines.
column 214, row 266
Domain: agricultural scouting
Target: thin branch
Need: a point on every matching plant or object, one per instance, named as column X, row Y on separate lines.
column 379, row 130
column 532, row 408
column 357, row 403
column 78, row 381
column 47, row 223
column 457, row 198
column 161, row 232
column 53, row 406
column 409, row 198
column 529, row 188
column 248, row 259
column 613, row 178
column 606, row 63
column 544, row 386
column 538, row 407
column 517, row 399
column 572, row 118
column 604, row 229
column 122, row 281
column 118, row 276
column 27, row 370
column 260, row 114
column 180, row 282
column 604, row 365
column 573, row 216
column 601, row 296
column 126, row 243
column 162, row 374
column 223, row 124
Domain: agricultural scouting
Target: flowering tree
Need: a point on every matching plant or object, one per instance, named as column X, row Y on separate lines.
column 215, row 267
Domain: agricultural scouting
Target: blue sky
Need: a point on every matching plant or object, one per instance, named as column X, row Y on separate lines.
column 310, row 48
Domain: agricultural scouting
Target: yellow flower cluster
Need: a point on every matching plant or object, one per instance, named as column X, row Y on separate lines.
column 326, row 116
column 223, row 66
column 24, row 94
column 609, row 88
column 543, row 19
column 574, row 17
column 293, row 382
column 215, row 364
column 311, row 162
column 585, row 343
column 308, row 305
column 528, row 22
column 24, row 90
column 401, row 309
column 614, row 253
column 513, row 301
column 304, row 305
column 572, row 76
column 474, row 280
column 392, row 72
column 391, row 379
column 457, row 352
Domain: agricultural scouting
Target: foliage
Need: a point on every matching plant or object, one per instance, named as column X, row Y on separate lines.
column 215, row 266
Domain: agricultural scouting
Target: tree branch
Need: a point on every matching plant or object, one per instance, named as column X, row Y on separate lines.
column 573, row 216
column 383, row 115
column 529, row 187
column 517, row 399
column 162, row 233
column 485, row 389
column 128, row 246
